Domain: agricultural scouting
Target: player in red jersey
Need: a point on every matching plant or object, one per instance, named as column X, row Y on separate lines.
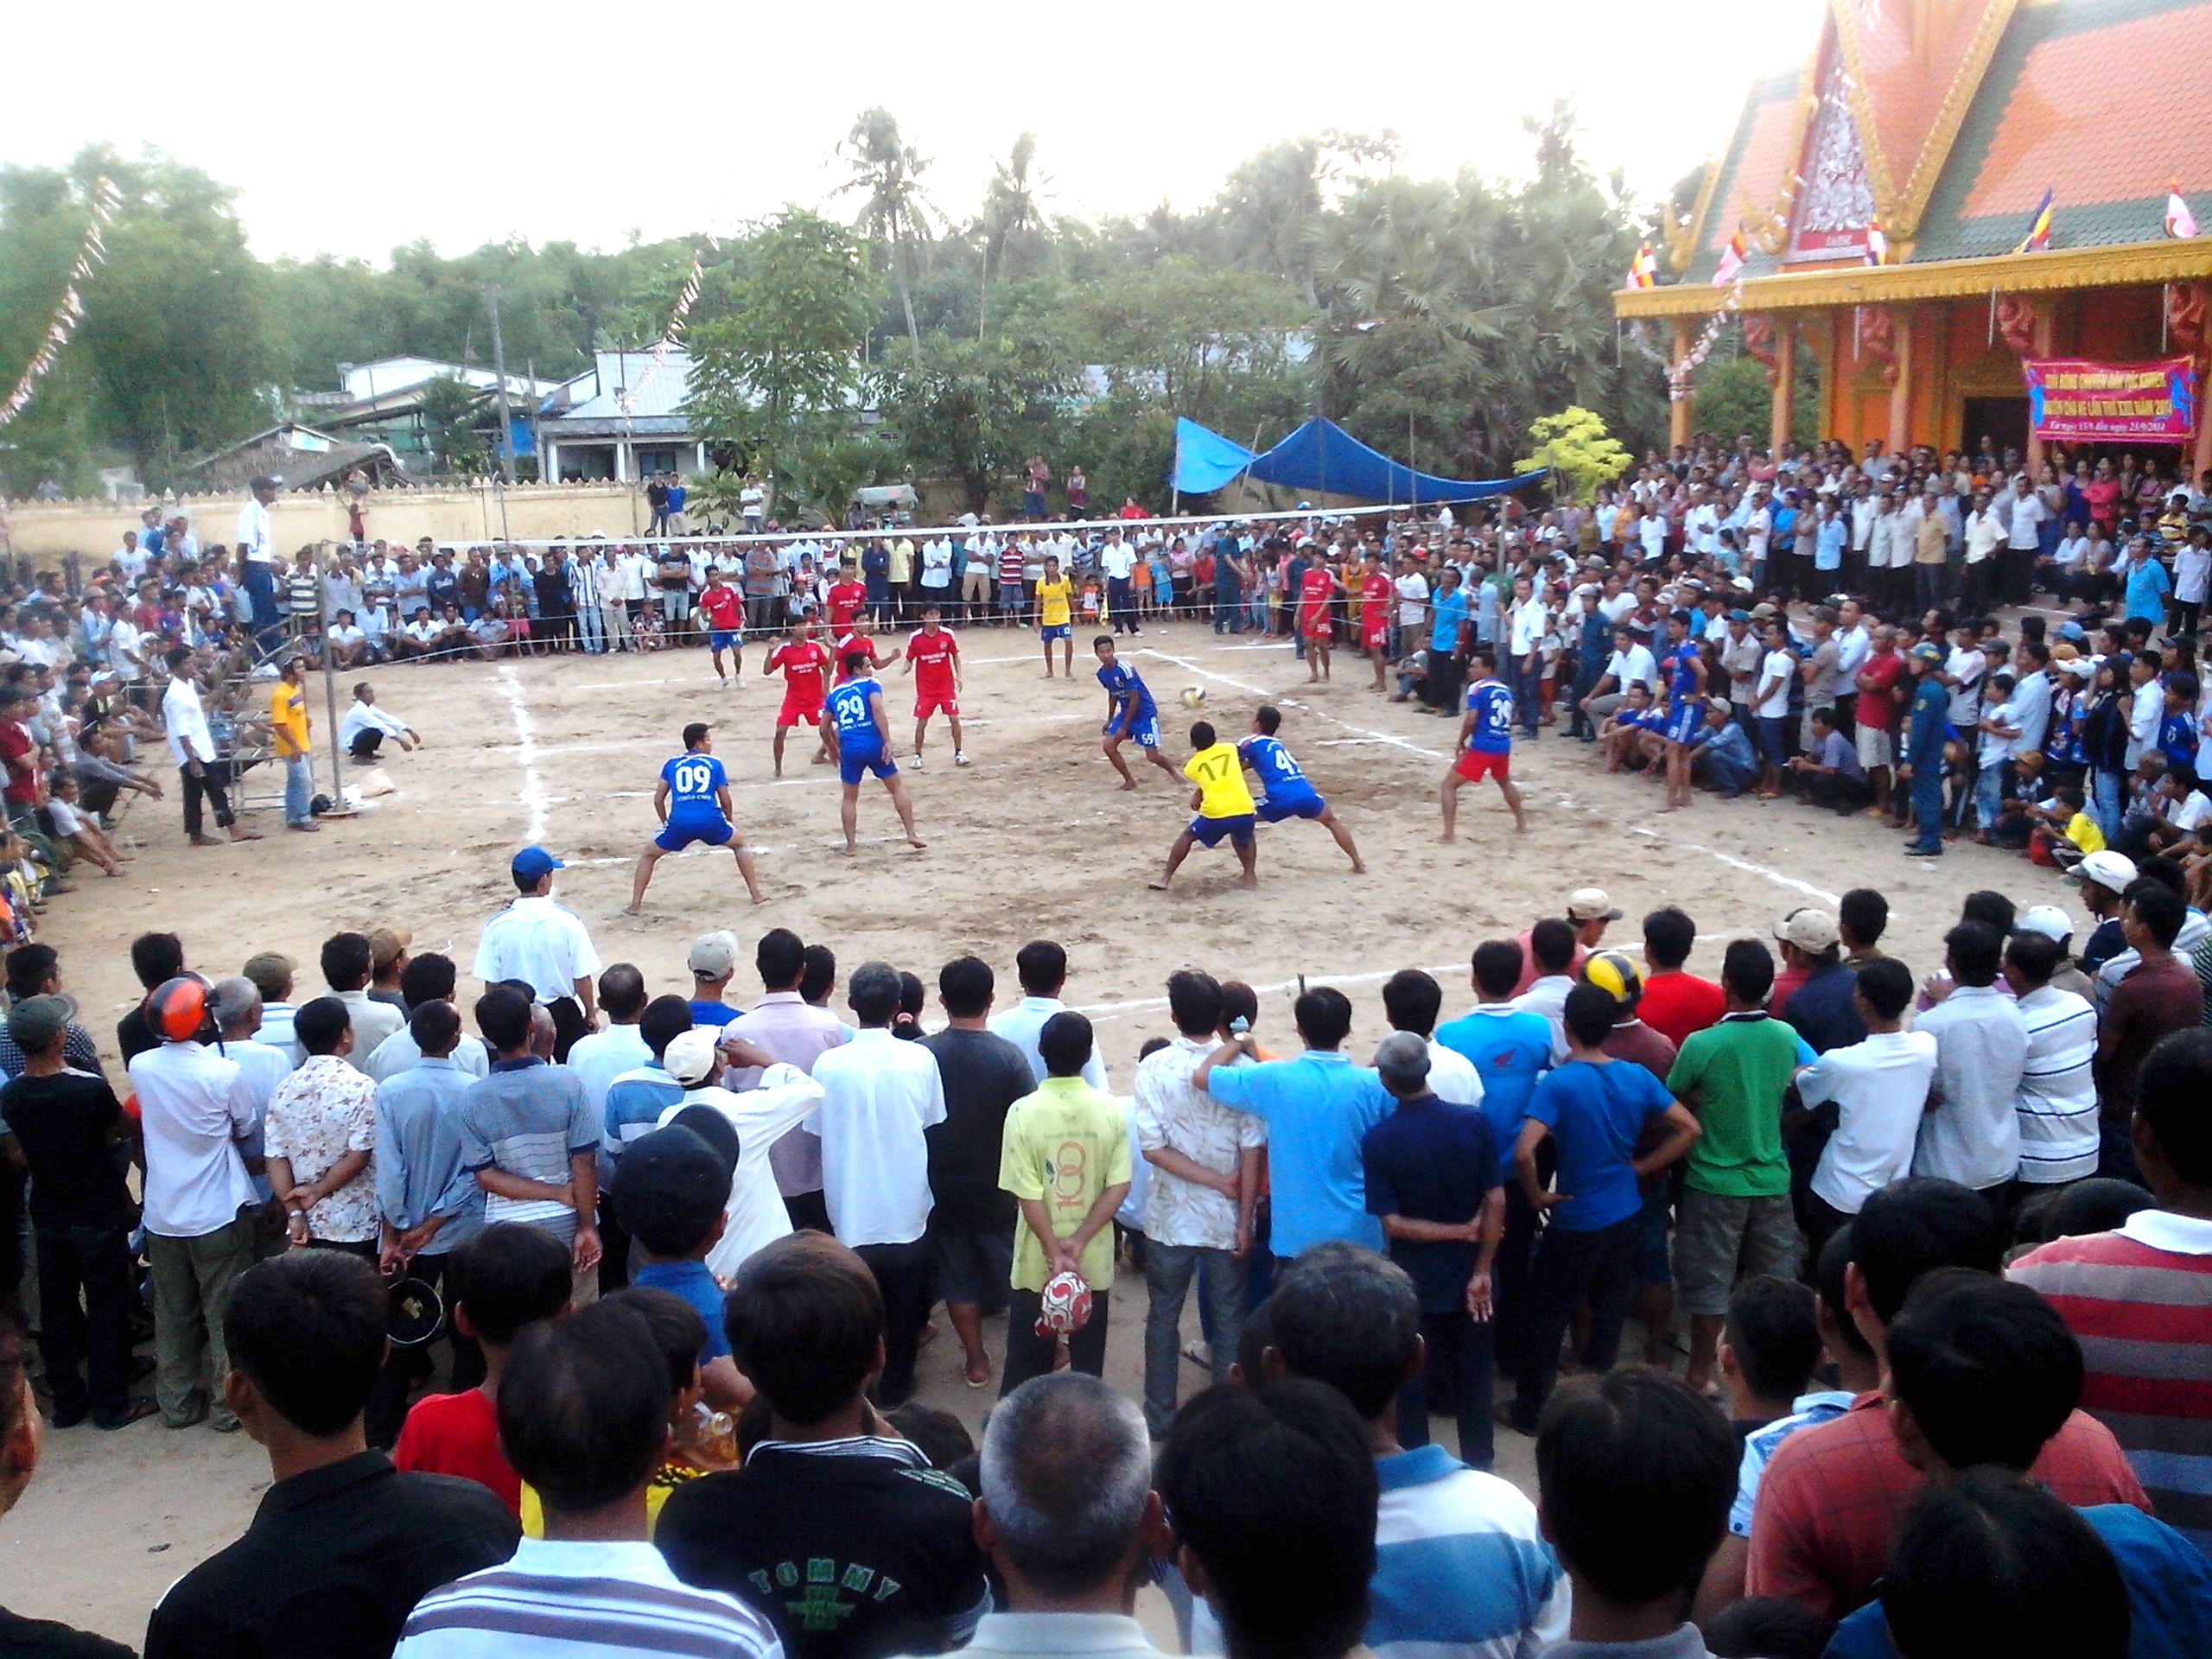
column 933, row 658
column 1375, row 592
column 805, row 663
column 724, row 608
column 846, row 598
column 1316, row 592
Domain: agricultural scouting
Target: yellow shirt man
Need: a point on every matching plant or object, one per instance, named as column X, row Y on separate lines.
column 1055, row 601
column 1219, row 774
column 1061, row 1147
column 287, row 720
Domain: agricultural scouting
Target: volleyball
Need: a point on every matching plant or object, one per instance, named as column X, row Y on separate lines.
column 1063, row 1305
column 1194, row 697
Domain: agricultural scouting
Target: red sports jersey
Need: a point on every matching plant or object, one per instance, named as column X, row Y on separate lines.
column 932, row 656
column 853, row 640
column 1315, row 588
column 725, row 610
column 1375, row 592
column 802, row 663
column 845, row 600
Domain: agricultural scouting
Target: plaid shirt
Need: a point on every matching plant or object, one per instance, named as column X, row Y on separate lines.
column 77, row 1051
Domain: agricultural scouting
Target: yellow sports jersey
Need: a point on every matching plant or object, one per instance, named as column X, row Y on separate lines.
column 1054, row 598
column 2087, row 835
column 1219, row 774
column 288, row 718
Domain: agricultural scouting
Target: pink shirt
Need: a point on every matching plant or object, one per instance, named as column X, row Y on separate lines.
column 794, row 1032
column 1529, row 962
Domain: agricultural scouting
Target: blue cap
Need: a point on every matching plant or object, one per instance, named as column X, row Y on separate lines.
column 535, row 864
column 2072, row 631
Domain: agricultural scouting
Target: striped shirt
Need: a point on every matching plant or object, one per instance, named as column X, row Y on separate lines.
column 1461, row 1571
column 2056, row 1101
column 528, row 1119
column 571, row 1600
column 2140, row 1300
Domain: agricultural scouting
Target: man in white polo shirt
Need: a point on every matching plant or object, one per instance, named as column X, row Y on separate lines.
column 257, row 541
column 545, row 945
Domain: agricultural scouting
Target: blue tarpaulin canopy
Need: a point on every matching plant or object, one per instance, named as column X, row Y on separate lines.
column 1323, row 457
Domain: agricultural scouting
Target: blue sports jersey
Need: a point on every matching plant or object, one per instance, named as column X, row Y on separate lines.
column 1683, row 662
column 855, row 721
column 1279, row 774
column 1121, row 682
column 693, row 781
column 1491, row 704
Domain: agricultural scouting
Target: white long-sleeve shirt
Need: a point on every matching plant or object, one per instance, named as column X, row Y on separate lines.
column 186, row 724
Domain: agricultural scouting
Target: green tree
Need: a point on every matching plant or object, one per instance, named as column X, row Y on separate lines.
column 1580, row 454
column 1014, row 228
column 894, row 214
column 969, row 411
column 453, row 413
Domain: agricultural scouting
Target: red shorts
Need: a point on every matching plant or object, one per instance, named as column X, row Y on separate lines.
column 1314, row 627
column 924, row 706
column 1474, row 766
column 794, row 711
column 1375, row 636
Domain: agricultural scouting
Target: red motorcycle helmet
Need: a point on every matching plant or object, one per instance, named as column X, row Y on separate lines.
column 177, row 1009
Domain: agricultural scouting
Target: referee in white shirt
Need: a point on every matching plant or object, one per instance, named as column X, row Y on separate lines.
column 257, row 541
column 192, row 746
column 537, row 943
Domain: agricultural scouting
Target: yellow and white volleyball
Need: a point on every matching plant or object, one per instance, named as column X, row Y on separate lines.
column 1194, row 697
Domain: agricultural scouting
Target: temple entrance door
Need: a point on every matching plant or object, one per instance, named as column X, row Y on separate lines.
column 2003, row 421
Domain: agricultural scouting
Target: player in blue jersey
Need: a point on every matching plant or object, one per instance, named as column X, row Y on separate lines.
column 859, row 729
column 692, row 804
column 1485, row 746
column 1130, row 712
column 1286, row 791
column 1684, row 666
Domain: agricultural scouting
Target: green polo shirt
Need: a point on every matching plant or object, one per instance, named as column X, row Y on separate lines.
column 1733, row 1076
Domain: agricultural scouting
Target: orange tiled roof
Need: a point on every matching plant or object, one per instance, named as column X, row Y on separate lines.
column 1907, row 56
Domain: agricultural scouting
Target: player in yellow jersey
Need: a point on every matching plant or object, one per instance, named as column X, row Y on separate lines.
column 1224, row 806
column 1056, row 615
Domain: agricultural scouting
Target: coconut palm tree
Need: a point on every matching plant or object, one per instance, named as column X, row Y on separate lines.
column 894, row 213
column 1012, row 214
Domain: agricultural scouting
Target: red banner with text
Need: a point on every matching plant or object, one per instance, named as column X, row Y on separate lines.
column 2143, row 402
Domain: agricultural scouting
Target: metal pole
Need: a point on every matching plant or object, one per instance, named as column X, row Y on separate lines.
column 339, row 809
column 500, row 369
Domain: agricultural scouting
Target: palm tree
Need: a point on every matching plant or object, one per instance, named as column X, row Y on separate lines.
column 894, row 214
column 1011, row 213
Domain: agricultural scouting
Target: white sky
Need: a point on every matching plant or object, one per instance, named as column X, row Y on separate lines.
column 352, row 129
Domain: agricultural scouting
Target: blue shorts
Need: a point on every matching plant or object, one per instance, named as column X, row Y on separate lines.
column 1143, row 731
column 1274, row 808
column 853, row 764
column 1058, row 630
column 718, row 641
column 1208, row 832
column 680, row 832
column 1682, row 724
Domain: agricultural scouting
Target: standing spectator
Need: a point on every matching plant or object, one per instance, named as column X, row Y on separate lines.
column 1928, row 716
column 205, row 773
column 194, row 1109
column 1812, row 992
column 971, row 1218
column 1971, row 1134
column 156, row 958
column 1735, row 1215
column 1432, row 1175
column 348, row 965
column 528, row 1134
column 545, row 946
column 1555, row 959
column 1042, row 968
column 2159, row 995
column 1676, row 1002
column 828, row 1479
column 36, row 970
column 1066, row 1160
column 320, row 1137
column 1878, row 1088
column 289, row 732
column 431, row 977
column 2056, row 1102
column 754, row 1216
column 65, row 1127
column 784, row 1024
column 342, row 1544
column 605, row 1055
column 1206, row 1162
column 879, row 1097
column 1411, row 1001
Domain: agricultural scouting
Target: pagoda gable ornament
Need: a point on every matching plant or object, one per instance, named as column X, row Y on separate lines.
column 1834, row 204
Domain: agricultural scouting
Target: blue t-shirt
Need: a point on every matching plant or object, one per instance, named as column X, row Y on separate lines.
column 1280, row 779
column 1833, row 533
column 2147, row 586
column 855, row 721
column 1131, row 697
column 2178, row 739
column 693, row 781
column 1595, row 1114
column 695, row 1285
column 1318, row 1108
column 1509, row 1049
column 1491, row 704
column 1446, row 613
column 1432, row 1160
column 713, row 1013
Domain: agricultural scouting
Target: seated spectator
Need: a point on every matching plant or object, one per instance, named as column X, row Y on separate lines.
column 343, row 1545
column 586, row 1424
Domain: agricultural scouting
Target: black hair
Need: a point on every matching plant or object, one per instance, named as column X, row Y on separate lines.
column 1412, row 1001
column 1346, row 1317
column 1886, row 983
column 1273, row 1490
column 1828, row 1269
column 1589, row 1013
column 503, row 1015
column 2161, row 911
column 1767, row 1627
column 1988, row 906
column 817, row 972
column 429, row 977
column 2171, row 1089
column 1267, row 718
column 1551, row 943
column 965, row 985
column 1747, row 968
column 2165, row 871
column 508, row 1276
column 1775, row 1336
column 694, row 732
column 677, row 1330
column 1042, row 968
column 1202, row 734
column 1986, row 1367
column 779, row 958
column 1239, row 1000
column 1974, row 951
column 319, row 1024
column 1194, row 1003
column 937, row 1435
column 307, row 1329
column 1913, row 1227
column 156, row 958
column 583, row 1407
column 1991, row 1563
column 1498, row 966
column 1323, row 1016
column 435, row 1027
column 806, row 1323
column 1863, row 913
column 1670, row 936
column 872, row 992
column 1063, row 1044
column 30, row 966
column 665, row 1019
column 2035, row 957
column 1637, row 1473
column 348, row 960
column 622, row 991
column 853, row 661
column 913, row 998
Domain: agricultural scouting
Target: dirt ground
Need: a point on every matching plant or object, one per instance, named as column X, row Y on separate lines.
column 1031, row 841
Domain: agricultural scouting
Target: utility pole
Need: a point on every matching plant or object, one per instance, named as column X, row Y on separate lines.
column 500, row 372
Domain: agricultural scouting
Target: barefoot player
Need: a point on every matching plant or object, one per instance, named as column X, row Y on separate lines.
column 1056, row 615
column 692, row 803
column 805, row 663
column 1376, row 594
column 1485, row 746
column 1317, row 595
column 1130, row 712
column 858, row 728
column 1223, row 804
column 724, row 608
column 933, row 658
column 1288, row 792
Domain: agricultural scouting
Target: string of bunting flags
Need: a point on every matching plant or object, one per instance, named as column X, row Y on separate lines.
column 107, row 196
column 685, row 299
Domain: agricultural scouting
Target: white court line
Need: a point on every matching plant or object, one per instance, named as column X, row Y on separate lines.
column 1745, row 864
column 526, row 752
column 1367, row 732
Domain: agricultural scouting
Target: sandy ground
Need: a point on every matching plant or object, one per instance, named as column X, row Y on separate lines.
column 1031, row 841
